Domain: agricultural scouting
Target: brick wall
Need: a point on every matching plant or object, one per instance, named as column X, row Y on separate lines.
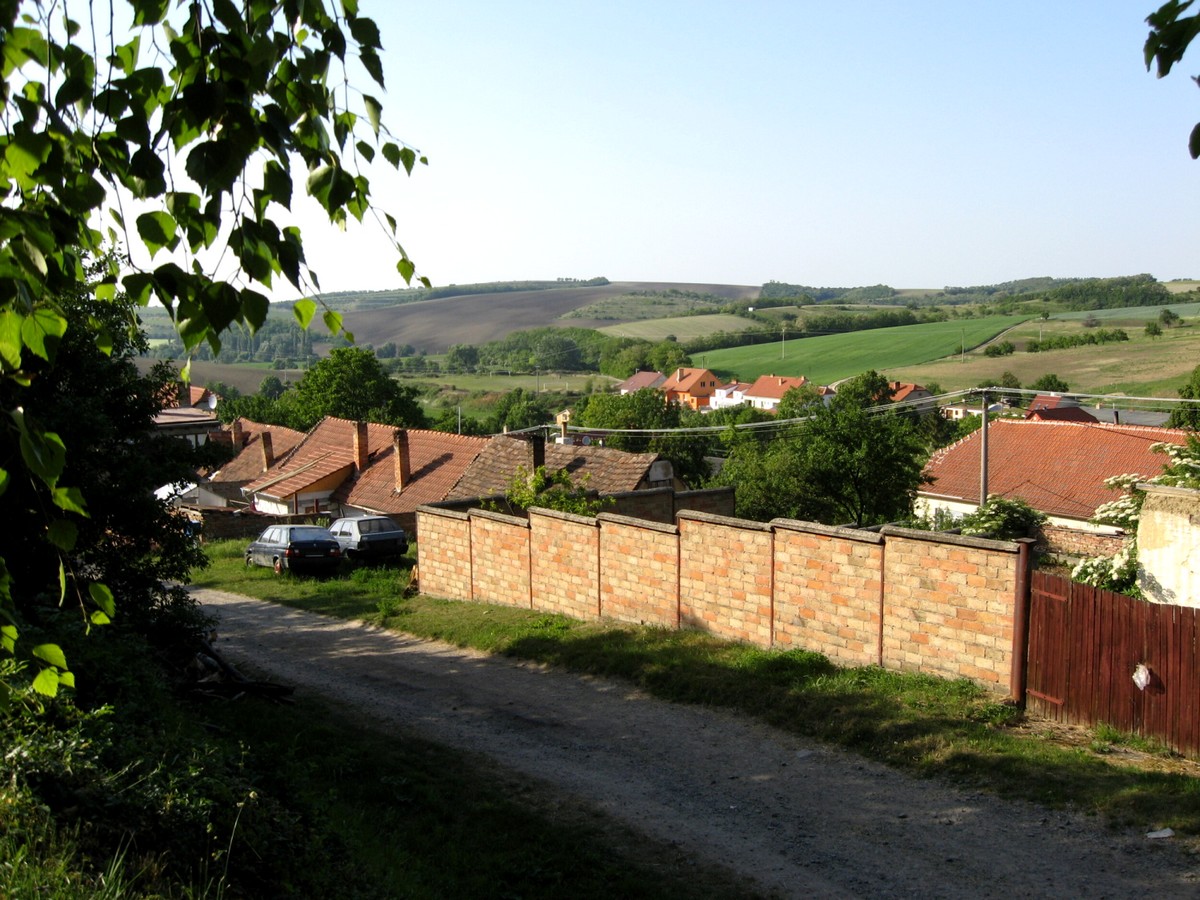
column 949, row 603
column 447, row 571
column 220, row 523
column 499, row 558
column 564, row 559
column 639, row 571
column 828, row 584
column 1077, row 542
column 715, row 501
column 906, row 600
column 725, row 577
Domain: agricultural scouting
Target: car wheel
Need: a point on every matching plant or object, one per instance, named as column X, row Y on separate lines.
column 278, row 566
column 249, row 560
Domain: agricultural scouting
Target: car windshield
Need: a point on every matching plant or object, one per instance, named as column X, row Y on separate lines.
column 375, row 526
column 309, row 534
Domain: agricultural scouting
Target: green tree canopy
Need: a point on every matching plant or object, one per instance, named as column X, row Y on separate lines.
column 849, row 462
column 1188, row 415
column 350, row 383
column 1052, row 383
column 173, row 130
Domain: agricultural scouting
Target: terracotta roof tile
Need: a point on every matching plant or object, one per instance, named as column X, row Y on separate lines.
column 1056, row 467
column 437, row 461
column 247, row 465
column 773, row 387
column 609, row 471
column 697, row 382
column 639, row 380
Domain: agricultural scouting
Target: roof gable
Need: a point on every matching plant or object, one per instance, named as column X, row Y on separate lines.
column 697, row 382
column 1056, row 467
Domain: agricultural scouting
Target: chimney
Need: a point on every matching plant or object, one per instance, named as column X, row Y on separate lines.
column 400, row 455
column 539, row 450
column 1116, row 416
column 235, row 433
column 360, row 447
column 267, row 454
column 183, row 395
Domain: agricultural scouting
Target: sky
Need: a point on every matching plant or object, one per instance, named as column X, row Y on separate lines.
column 921, row 144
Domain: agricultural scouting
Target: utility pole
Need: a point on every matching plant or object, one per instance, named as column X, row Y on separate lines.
column 983, row 453
column 782, row 338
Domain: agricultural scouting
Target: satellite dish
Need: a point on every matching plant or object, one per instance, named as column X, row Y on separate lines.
column 212, row 400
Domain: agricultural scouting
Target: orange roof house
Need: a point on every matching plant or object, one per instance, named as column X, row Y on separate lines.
column 690, row 387
column 347, row 468
column 1056, row 467
column 768, row 390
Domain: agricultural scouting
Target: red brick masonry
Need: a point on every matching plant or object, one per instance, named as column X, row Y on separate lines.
column 905, row 600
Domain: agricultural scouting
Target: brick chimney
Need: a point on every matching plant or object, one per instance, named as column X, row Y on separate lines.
column 268, row 455
column 360, row 447
column 539, row 450
column 400, row 455
column 235, row 434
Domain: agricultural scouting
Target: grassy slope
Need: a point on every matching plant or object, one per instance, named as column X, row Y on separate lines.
column 1141, row 366
column 828, row 358
column 683, row 327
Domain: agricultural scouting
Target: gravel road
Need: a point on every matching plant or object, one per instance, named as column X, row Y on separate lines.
column 797, row 818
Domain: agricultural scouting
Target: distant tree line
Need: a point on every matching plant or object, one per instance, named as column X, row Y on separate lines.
column 783, row 290
column 1066, row 341
column 1110, row 293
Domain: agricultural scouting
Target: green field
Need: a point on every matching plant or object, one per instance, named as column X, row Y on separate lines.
column 1131, row 314
column 683, row 327
column 829, row 358
column 1141, row 366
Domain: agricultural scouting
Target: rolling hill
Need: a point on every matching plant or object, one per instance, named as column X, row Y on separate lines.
column 436, row 325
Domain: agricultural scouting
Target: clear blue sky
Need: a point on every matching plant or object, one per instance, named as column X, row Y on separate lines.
column 917, row 144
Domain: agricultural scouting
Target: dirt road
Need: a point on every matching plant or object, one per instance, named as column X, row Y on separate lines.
column 798, row 818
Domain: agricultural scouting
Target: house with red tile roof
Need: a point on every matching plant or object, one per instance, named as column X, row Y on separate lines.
column 690, row 387
column 364, row 468
column 639, row 381
column 255, row 448
column 911, row 395
column 1058, row 468
column 607, row 471
column 768, row 390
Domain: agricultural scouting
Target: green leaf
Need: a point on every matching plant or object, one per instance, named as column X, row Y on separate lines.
column 333, row 321
column 391, row 152
column 43, row 451
column 10, row 338
column 406, row 269
column 1194, row 142
column 42, row 330
column 408, row 158
column 157, row 230
column 62, row 581
column 70, row 500
column 8, row 637
column 99, row 618
column 46, row 683
column 63, row 534
column 3, row 481
column 304, row 310
column 374, row 111
column 66, row 679
column 50, row 653
column 102, row 597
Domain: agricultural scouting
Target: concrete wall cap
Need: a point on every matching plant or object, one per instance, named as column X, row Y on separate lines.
column 562, row 516
column 958, row 540
column 850, row 534
column 692, row 515
column 498, row 517
column 632, row 522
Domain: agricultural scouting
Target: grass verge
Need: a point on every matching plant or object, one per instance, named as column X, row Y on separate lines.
column 925, row 725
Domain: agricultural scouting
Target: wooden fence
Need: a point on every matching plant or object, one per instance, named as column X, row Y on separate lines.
column 1085, row 647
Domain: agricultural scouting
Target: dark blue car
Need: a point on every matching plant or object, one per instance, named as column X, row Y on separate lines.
column 297, row 548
